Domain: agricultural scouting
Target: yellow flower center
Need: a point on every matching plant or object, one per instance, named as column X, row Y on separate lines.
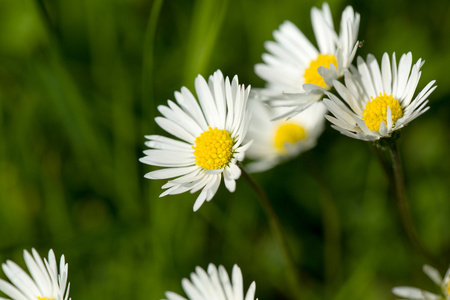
column 288, row 133
column 312, row 76
column 375, row 111
column 39, row 298
column 447, row 288
column 213, row 149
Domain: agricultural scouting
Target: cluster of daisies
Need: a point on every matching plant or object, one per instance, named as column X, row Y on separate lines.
column 211, row 134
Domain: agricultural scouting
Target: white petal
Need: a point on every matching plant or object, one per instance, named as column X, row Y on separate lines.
column 366, row 77
column 162, row 142
column 230, row 184
column 394, row 74
column 11, row 291
column 177, row 115
column 414, row 293
column 200, row 199
column 223, row 275
column 388, row 119
column 251, row 292
column 299, row 39
column 190, row 105
column 212, row 187
column 404, row 68
column 175, row 129
column 175, row 190
column 191, row 291
column 383, row 131
column 362, row 125
column 214, row 276
column 174, row 296
column 339, row 109
column 233, row 171
column 349, row 97
column 328, row 74
column 433, row 274
column 230, row 93
column 386, row 74
column 40, row 275
column 411, row 85
column 170, row 172
column 167, row 158
column 323, row 29
column 216, row 84
column 238, row 288
column 207, row 102
column 20, row 279
column 203, row 283
column 375, row 72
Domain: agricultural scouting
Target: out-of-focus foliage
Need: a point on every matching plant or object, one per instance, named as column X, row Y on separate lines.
column 79, row 85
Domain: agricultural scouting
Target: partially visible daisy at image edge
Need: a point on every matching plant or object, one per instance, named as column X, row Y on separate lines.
column 209, row 138
column 214, row 284
column 407, row 292
column 296, row 73
column 45, row 282
column 277, row 141
column 378, row 101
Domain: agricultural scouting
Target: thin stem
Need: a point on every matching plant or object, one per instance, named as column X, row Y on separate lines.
column 384, row 163
column 402, row 204
column 276, row 228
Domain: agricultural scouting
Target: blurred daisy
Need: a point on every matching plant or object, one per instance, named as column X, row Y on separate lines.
column 210, row 137
column 297, row 74
column 377, row 101
column 277, row 141
column 414, row 293
column 214, row 285
column 45, row 282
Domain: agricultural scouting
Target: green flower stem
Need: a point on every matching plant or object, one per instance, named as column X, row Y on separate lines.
column 275, row 225
column 381, row 155
column 402, row 204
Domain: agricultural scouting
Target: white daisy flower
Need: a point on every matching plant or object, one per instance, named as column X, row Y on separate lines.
column 210, row 138
column 214, row 285
column 298, row 74
column 278, row 141
column 407, row 292
column 377, row 101
column 45, row 282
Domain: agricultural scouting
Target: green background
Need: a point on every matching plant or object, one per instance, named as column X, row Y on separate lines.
column 79, row 85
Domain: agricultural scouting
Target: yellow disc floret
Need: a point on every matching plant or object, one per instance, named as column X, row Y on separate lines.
column 375, row 111
column 40, row 298
column 312, row 76
column 288, row 133
column 213, row 149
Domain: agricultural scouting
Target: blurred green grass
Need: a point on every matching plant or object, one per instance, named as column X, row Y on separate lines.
column 79, row 86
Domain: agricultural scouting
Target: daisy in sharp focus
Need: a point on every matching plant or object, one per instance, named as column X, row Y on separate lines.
column 209, row 138
column 214, row 284
column 45, row 283
column 407, row 292
column 298, row 74
column 377, row 102
column 278, row 141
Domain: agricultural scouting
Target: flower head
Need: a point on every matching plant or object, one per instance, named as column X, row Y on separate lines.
column 407, row 292
column 280, row 140
column 209, row 138
column 214, row 285
column 298, row 74
column 377, row 101
column 45, row 282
